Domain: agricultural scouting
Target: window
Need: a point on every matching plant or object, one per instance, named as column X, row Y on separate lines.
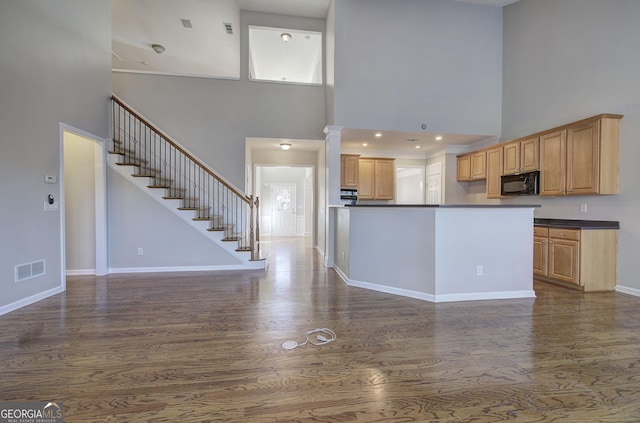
column 285, row 55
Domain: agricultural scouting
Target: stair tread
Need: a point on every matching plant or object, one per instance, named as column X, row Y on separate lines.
column 158, row 186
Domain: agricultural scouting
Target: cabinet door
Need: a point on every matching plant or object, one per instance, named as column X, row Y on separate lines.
column 553, row 161
column 583, row 156
column 511, row 158
column 494, row 171
column 384, row 181
column 365, row 179
column 464, row 168
column 349, row 171
column 540, row 254
column 529, row 154
column 564, row 258
column 479, row 166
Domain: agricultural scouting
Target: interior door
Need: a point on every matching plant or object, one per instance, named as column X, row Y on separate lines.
column 434, row 184
column 283, row 209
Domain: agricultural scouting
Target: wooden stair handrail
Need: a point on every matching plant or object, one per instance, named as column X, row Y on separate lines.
column 167, row 138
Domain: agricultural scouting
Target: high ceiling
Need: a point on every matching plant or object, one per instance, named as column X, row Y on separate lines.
column 196, row 40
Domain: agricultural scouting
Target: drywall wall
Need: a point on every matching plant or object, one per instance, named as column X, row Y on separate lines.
column 399, row 64
column 567, row 60
column 138, row 221
column 55, row 69
column 213, row 117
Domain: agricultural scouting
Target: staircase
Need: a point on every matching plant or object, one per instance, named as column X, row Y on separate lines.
column 167, row 172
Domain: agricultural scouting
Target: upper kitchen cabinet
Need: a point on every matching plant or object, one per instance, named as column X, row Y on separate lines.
column 472, row 166
column 521, row 156
column 349, row 171
column 376, row 179
column 581, row 158
column 494, row 172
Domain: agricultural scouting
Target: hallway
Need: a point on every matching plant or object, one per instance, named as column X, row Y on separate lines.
column 204, row 346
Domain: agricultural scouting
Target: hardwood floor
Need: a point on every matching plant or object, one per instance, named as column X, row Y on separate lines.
column 206, row 347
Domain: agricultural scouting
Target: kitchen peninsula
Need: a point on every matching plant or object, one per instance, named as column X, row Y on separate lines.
column 437, row 253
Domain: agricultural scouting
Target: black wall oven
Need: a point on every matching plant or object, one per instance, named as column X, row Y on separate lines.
column 522, row 184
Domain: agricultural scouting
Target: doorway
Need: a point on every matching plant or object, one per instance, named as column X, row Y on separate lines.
column 83, row 205
column 286, row 199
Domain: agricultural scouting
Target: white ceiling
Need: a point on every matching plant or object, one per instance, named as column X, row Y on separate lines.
column 207, row 50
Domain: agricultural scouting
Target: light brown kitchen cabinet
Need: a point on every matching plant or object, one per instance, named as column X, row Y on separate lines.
column 464, row 168
column 365, row 179
column 581, row 159
column 581, row 258
column 349, row 171
column 472, row 167
column 521, row 156
column 540, row 250
column 376, row 179
column 494, row 172
column 553, row 163
column 384, row 179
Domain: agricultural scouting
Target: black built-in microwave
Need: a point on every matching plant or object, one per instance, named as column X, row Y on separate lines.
column 521, row 184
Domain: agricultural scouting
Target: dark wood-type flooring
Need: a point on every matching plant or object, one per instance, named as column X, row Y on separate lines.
column 206, row 347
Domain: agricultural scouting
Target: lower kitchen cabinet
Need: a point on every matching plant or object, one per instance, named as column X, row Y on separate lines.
column 581, row 258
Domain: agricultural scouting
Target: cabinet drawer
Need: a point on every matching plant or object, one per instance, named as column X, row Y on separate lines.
column 539, row 231
column 573, row 234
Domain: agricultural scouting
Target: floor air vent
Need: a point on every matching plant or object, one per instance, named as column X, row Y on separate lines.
column 30, row 270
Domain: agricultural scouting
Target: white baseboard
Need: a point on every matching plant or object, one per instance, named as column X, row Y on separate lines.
column 391, row 290
column 259, row 265
column 30, row 300
column 442, row 298
column 81, row 272
column 477, row 296
column 626, row 290
column 340, row 273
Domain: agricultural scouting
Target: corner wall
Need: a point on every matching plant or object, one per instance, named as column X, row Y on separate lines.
column 56, row 68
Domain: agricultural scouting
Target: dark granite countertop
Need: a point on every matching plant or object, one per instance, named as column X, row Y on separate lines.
column 467, row 206
column 577, row 224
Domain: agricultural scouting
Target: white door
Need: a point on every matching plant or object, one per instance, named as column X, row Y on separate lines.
column 434, row 184
column 283, row 209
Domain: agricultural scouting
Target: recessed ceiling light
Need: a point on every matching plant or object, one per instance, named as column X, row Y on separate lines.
column 438, row 138
column 378, row 134
column 364, row 144
column 285, row 37
column 417, row 146
column 285, row 146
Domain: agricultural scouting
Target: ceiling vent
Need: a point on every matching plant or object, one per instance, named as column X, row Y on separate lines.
column 228, row 28
column 186, row 23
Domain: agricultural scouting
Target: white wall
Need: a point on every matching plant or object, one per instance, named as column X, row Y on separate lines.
column 399, row 64
column 136, row 220
column 55, row 67
column 571, row 59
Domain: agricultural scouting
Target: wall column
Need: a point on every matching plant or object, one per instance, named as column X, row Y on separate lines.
column 332, row 146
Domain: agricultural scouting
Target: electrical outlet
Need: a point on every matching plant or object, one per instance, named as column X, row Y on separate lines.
column 479, row 270
column 583, row 208
column 140, row 251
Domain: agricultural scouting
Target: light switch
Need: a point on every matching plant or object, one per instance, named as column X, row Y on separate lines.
column 50, row 179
